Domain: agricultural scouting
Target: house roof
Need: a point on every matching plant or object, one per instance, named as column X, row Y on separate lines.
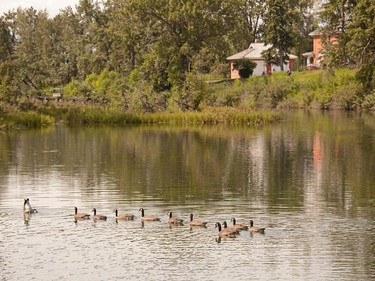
column 239, row 55
column 308, row 54
column 321, row 32
column 254, row 52
column 315, row 32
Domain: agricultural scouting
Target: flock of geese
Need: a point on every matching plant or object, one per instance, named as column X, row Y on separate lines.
column 224, row 229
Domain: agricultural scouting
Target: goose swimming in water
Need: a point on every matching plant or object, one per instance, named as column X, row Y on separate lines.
column 149, row 217
column 226, row 232
column 80, row 216
column 231, row 228
column 27, row 207
column 125, row 216
column 239, row 226
column 174, row 220
column 253, row 228
column 195, row 222
column 98, row 217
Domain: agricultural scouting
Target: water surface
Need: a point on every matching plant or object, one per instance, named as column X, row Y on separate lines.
column 309, row 180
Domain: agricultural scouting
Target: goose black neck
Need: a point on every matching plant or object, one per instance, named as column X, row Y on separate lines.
column 191, row 217
column 218, row 226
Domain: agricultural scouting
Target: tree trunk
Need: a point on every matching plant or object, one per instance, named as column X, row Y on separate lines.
column 281, row 57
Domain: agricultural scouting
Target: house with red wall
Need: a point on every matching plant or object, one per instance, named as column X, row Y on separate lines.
column 315, row 59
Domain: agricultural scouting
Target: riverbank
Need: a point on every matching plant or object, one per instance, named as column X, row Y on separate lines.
column 254, row 101
column 94, row 116
column 318, row 89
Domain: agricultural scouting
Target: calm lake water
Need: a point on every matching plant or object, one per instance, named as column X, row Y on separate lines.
column 310, row 180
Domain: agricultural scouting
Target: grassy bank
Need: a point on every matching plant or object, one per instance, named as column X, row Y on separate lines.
column 320, row 89
column 94, row 116
column 25, row 120
column 252, row 101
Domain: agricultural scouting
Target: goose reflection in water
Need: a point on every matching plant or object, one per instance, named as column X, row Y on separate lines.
column 26, row 218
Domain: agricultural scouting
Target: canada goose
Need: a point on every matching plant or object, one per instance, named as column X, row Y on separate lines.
column 98, row 217
column 226, row 232
column 174, row 220
column 194, row 222
column 149, row 217
column 27, row 207
column 239, row 226
column 80, row 216
column 26, row 218
column 125, row 216
column 231, row 228
column 256, row 228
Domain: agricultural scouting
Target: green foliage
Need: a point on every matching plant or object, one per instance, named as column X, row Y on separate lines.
column 227, row 94
column 366, row 75
column 369, row 101
column 347, row 95
column 141, row 98
column 274, row 91
column 310, row 89
column 245, row 67
column 191, row 94
column 90, row 115
column 150, row 56
column 280, row 19
column 27, row 120
column 106, row 88
column 96, row 116
column 71, row 89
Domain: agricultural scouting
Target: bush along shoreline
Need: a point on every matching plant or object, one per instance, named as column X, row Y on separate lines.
column 25, row 120
column 254, row 101
column 94, row 116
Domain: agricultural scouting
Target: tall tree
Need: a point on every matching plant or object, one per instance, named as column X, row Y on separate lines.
column 6, row 50
column 68, row 30
column 304, row 25
column 31, row 58
column 131, row 36
column 335, row 17
column 94, row 41
column 361, row 43
column 280, row 18
column 247, row 23
column 180, row 29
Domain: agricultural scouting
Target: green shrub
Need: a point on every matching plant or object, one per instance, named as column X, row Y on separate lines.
column 245, row 67
column 273, row 93
column 346, row 95
column 191, row 94
column 369, row 101
column 70, row 89
column 26, row 120
column 216, row 115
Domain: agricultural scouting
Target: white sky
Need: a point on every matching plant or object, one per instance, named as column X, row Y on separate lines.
column 52, row 6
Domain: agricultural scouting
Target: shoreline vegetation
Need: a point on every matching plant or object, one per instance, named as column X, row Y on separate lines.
column 125, row 62
column 254, row 101
column 93, row 116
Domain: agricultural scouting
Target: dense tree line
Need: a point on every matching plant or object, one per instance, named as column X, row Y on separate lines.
column 152, row 51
